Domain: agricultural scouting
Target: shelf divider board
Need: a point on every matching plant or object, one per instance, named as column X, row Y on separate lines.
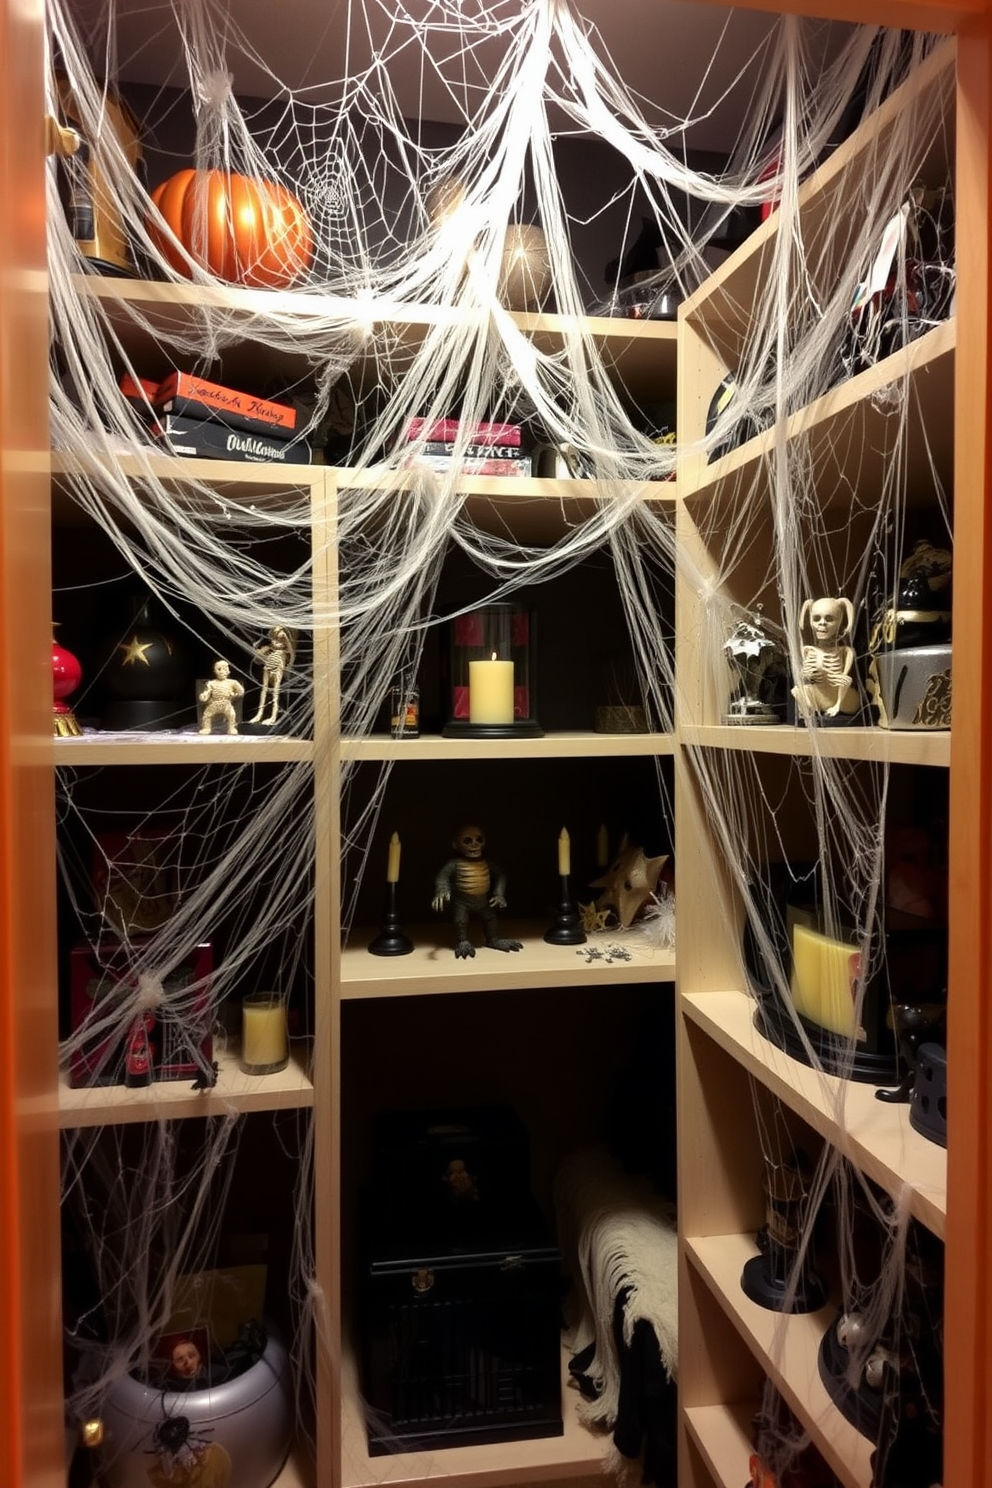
column 173, row 1100
column 639, row 354
column 174, row 748
column 327, row 982
column 874, row 1135
column 830, row 195
column 578, row 1453
column 852, row 413
column 723, row 1437
column 432, row 967
column 786, row 1347
column 879, row 745
column 580, row 744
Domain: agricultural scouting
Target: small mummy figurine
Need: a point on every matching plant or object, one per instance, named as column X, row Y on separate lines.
column 826, row 679
column 474, row 887
column 219, row 695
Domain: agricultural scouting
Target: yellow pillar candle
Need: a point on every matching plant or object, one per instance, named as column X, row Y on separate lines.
column 825, row 974
column 264, row 1038
column 490, row 691
column 564, row 854
column 393, row 867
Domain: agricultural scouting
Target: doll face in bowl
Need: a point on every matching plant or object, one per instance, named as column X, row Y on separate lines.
column 185, row 1360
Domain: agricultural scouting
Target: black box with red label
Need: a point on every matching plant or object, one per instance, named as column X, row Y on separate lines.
column 103, row 981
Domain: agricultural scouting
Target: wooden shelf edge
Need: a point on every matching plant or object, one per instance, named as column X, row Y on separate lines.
column 875, row 1136
column 786, row 1348
column 176, row 1100
column 876, row 745
column 578, row 1453
column 722, row 1435
column 937, row 70
column 160, row 293
column 174, row 748
column 578, row 744
column 910, row 361
column 431, row 968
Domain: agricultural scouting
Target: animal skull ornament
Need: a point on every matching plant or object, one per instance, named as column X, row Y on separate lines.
column 628, row 884
column 475, row 887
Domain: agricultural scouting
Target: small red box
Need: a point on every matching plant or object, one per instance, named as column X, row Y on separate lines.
column 102, row 979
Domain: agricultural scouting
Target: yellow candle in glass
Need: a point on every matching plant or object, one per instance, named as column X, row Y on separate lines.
column 490, row 691
column 264, row 1038
column 393, row 866
column 564, row 854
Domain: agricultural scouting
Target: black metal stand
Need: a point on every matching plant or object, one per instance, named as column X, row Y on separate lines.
column 391, row 941
column 567, row 928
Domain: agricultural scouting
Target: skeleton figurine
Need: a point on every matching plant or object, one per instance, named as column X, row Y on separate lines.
column 475, row 887
column 277, row 656
column 826, row 684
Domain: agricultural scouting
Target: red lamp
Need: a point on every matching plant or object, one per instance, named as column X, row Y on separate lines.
column 66, row 677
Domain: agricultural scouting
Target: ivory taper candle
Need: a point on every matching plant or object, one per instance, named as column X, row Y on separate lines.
column 264, row 1037
column 393, row 867
column 490, row 691
column 564, row 854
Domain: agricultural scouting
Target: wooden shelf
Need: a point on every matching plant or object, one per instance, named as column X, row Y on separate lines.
column 878, row 745
column 640, row 354
column 171, row 747
column 115, row 1105
column 786, row 1347
column 874, row 1135
column 297, row 1473
column 854, row 427
column 578, row 1452
column 724, row 1439
column 580, row 744
column 431, row 968
column 833, row 194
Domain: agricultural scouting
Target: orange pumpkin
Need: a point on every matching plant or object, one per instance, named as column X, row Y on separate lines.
column 240, row 229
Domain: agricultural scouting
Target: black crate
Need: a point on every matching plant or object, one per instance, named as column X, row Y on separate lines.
column 462, row 1341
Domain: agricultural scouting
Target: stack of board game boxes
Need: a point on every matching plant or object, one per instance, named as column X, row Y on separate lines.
column 478, row 448
column 188, row 415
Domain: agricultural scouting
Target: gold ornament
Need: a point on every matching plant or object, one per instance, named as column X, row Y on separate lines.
column 134, row 650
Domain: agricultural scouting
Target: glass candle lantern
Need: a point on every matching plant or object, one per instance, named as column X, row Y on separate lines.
column 491, row 672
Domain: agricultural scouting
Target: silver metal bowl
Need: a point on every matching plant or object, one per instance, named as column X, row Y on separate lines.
column 237, row 1433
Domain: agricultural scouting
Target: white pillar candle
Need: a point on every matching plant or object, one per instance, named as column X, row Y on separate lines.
column 264, row 1039
column 490, row 691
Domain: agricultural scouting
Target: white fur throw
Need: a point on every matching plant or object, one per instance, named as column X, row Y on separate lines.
column 616, row 1232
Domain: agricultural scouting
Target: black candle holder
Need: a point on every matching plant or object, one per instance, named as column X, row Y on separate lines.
column 567, row 928
column 391, row 941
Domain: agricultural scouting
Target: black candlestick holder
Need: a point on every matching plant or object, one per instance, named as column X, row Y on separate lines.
column 567, row 928
column 391, row 941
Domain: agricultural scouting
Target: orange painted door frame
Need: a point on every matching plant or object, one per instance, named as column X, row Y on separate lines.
column 32, row 1452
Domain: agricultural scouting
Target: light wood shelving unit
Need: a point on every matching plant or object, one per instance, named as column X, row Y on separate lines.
column 727, row 1345
column 535, row 510
column 847, row 438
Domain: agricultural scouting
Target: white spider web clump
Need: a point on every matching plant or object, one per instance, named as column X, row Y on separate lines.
column 406, row 216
